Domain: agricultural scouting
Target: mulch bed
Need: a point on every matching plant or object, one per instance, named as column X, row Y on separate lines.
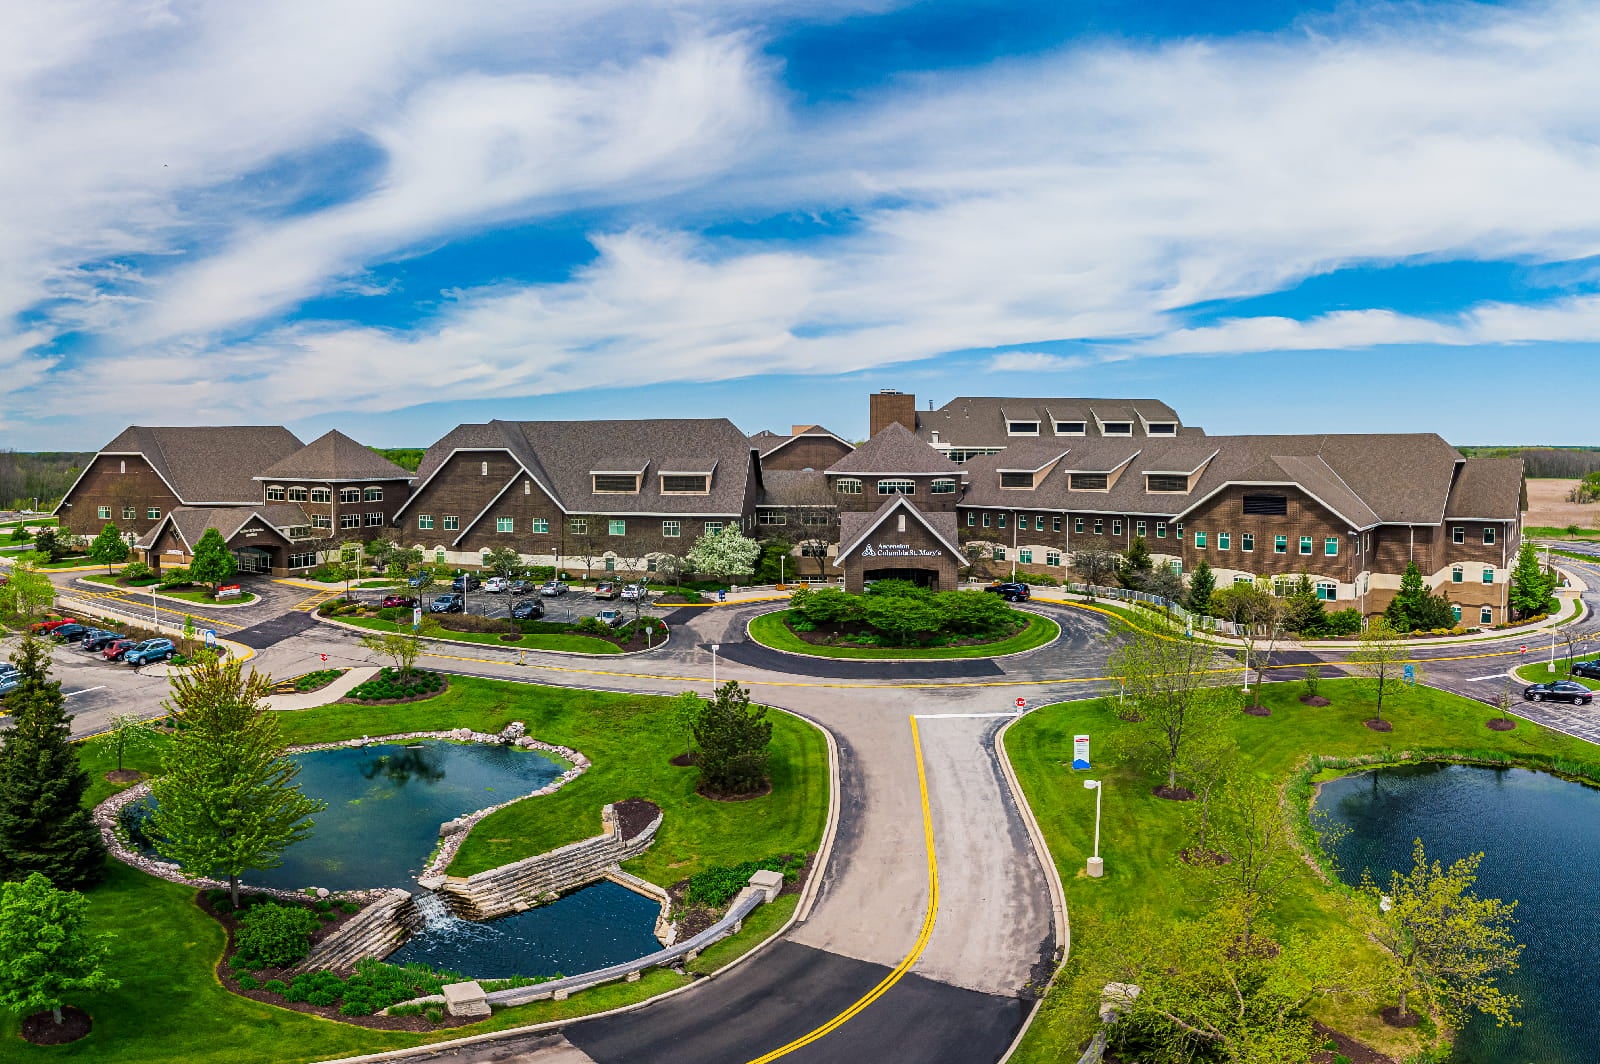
column 1358, row 1052
column 1314, row 700
column 1173, row 794
column 124, row 775
column 1501, row 724
column 230, row 922
column 420, row 697
column 634, row 815
column 1258, row 711
column 692, row 920
column 41, row 1028
column 846, row 636
column 1391, row 1016
column 685, row 760
column 1201, row 857
column 1379, row 725
column 717, row 796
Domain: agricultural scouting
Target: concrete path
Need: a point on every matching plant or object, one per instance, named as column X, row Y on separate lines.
column 331, row 693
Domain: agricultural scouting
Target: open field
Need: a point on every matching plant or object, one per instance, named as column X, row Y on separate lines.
column 1549, row 510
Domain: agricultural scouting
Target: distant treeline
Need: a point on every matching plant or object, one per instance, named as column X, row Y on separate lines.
column 43, row 475
column 1545, row 461
column 404, row 457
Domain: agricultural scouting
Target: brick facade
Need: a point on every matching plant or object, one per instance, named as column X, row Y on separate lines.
column 122, row 484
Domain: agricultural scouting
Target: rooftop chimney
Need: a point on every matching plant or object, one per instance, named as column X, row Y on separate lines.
column 888, row 406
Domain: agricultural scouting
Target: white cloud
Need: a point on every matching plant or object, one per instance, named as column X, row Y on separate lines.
column 1036, row 362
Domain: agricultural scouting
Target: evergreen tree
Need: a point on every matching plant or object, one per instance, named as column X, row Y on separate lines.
column 1414, row 607
column 213, row 561
column 43, row 824
column 733, row 737
column 45, row 949
column 1136, row 567
column 1305, row 610
column 109, row 548
column 1202, row 582
column 1530, row 584
column 226, row 800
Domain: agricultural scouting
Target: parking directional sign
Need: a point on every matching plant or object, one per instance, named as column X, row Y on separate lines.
column 1411, row 675
column 210, row 636
column 1080, row 751
column 416, row 617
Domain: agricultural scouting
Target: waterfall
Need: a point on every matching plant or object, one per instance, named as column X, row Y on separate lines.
column 438, row 921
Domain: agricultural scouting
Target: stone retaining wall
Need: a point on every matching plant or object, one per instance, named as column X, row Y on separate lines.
column 377, row 931
column 523, row 884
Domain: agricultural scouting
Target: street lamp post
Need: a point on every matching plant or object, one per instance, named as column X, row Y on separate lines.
column 1097, row 867
column 714, row 648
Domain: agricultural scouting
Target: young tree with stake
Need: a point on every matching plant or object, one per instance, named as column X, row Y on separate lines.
column 1379, row 665
column 1169, row 680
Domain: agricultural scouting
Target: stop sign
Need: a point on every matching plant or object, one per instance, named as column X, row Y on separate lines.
column 1523, row 649
column 1021, row 702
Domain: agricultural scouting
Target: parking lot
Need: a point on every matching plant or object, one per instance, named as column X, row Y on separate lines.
column 575, row 605
column 97, row 690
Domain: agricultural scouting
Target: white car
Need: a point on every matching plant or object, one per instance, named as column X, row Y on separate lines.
column 636, row 591
column 611, row 618
column 496, row 584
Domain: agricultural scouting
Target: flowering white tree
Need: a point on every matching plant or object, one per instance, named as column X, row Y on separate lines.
column 724, row 555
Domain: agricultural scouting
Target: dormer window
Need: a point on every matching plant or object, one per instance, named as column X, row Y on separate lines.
column 1022, row 428
column 1166, row 482
column 616, row 483
column 1088, row 482
column 685, row 484
column 847, row 486
column 1071, row 428
column 275, row 493
column 1117, row 428
column 1162, row 428
column 1016, row 480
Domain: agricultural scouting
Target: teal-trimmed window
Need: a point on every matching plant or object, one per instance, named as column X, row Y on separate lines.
column 1488, row 535
column 1488, row 575
column 986, row 519
column 1038, row 523
column 1000, row 520
column 103, row 512
column 713, row 527
column 1138, row 528
column 1280, row 544
column 505, row 524
column 1077, row 525
column 972, row 518
column 541, row 526
column 1486, row 615
column 1052, row 557
column 671, row 529
column 1161, row 530
column 617, row 526
column 1224, row 540
column 1177, row 531
column 1025, row 556
column 1327, row 591
column 438, row 557
column 1247, row 541
column 1099, row 526
column 1330, row 546
column 129, row 513
column 1200, row 540
column 1455, row 611
column 153, row 513
column 1457, row 574
column 998, row 554
column 1055, row 524
column 578, row 526
column 452, row 524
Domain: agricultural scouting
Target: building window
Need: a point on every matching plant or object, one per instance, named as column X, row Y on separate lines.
column 1458, row 534
column 438, row 557
column 321, row 521
column 1052, row 557
column 302, row 561
column 129, row 513
column 424, row 522
column 1280, row 544
column 1077, row 525
column 986, row 519
column 998, row 554
column 942, row 486
column 1200, row 540
column 1117, row 428
column 297, row 494
column 1038, row 522
column 1457, row 575
column 672, row 529
column 1087, row 481
column 685, row 484
column 505, row 524
column 1138, row 528
column 1055, row 524
column 349, row 520
column 483, row 469
column 103, row 512
column 153, row 513
column 847, row 486
column 527, row 487
column 578, row 526
column 1116, row 527
column 617, row 526
column 713, row 527
column 1455, row 611
column 541, row 526
column 299, row 531
column 1486, row 615
column 374, row 520
column 1166, row 482
column 452, row 524
column 897, row 487
column 616, row 483
column 275, row 493
column 122, row 466
column 771, row 517
column 1099, row 526
column 349, row 494
column 1022, row 428
column 1176, row 565
column 1305, row 544
column 1266, row 505
column 1161, row 530
column 1025, row 556
column 1016, row 480
column 322, row 495
column 1224, row 540
column 1000, row 520
column 972, row 518
column 1162, row 428
column 1488, row 576
column 371, row 494
column 1326, row 591
column 1247, row 541
column 1071, row 428
column 1330, row 546
column 1242, row 579
column 813, row 549
column 1488, row 535
column 1177, row 530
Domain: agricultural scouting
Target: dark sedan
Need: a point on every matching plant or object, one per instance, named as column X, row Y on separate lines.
column 451, row 603
column 70, row 633
column 1587, row 669
column 99, row 640
column 1559, row 691
column 1017, row 592
column 527, row 610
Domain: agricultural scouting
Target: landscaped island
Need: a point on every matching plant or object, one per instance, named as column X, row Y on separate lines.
column 897, row 619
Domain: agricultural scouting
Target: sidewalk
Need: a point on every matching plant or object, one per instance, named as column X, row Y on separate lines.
column 331, row 693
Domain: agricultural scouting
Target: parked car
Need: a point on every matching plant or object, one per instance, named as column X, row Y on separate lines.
column 520, row 587
column 527, row 609
column 1013, row 592
column 635, row 591
column 99, row 639
column 417, row 581
column 607, row 591
column 552, row 588
column 8, row 683
column 447, row 603
column 149, row 652
column 8, row 669
column 49, row 626
column 465, row 582
column 1588, row 669
column 611, row 618
column 496, row 584
column 69, row 633
column 403, row 602
column 115, row 649
column 1559, row 691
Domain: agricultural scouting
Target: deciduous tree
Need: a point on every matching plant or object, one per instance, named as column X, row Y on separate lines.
column 1258, row 618
column 1169, row 679
column 28, row 593
column 1096, row 567
column 733, row 737
column 46, row 950
column 44, row 826
column 401, row 648
column 226, row 800
column 1378, row 663
column 109, row 548
column 502, row 561
column 126, row 734
column 213, row 562
column 1252, row 830
column 725, row 555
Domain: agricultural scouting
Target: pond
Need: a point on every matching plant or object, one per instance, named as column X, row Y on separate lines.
column 1540, row 837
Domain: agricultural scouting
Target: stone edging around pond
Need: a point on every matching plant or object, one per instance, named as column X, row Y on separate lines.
column 500, row 645
column 1060, row 631
column 453, row 832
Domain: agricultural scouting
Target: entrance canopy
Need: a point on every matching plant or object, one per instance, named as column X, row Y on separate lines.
column 899, row 542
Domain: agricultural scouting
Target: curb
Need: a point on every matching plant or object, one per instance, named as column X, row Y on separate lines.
column 236, row 651
column 1060, row 631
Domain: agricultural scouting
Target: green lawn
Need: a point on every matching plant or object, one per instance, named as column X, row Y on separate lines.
column 378, row 583
column 171, row 1008
column 1551, row 532
column 770, row 630
column 1539, row 671
column 571, row 644
column 31, row 522
column 1141, row 834
column 202, row 597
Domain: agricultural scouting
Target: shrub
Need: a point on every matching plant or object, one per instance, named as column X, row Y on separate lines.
column 395, row 614
column 248, row 981
column 1342, row 622
column 719, row 885
column 274, row 936
column 1313, row 680
column 276, row 986
column 137, row 571
column 435, row 1015
column 177, row 576
column 592, row 626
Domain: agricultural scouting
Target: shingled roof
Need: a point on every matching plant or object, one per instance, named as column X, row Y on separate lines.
column 1488, row 489
column 334, row 457
column 208, row 464
column 191, row 522
column 767, row 441
column 980, row 421
column 895, row 450
column 856, row 526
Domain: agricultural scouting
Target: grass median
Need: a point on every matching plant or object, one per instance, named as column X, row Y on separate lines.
column 202, row 598
column 1540, row 672
column 571, row 644
column 770, row 630
column 1142, row 834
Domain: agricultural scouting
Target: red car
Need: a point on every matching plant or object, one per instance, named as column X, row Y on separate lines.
column 404, row 602
column 50, row 626
column 118, row 647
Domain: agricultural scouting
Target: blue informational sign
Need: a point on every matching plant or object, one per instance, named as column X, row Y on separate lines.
column 1080, row 751
column 1411, row 675
column 210, row 635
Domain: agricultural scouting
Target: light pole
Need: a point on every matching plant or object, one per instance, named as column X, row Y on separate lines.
column 1015, row 520
column 714, row 648
column 1097, row 867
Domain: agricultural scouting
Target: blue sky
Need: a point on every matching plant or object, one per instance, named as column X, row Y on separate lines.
column 391, row 217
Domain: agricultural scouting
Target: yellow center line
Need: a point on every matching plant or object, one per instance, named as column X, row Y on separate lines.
column 917, row 947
